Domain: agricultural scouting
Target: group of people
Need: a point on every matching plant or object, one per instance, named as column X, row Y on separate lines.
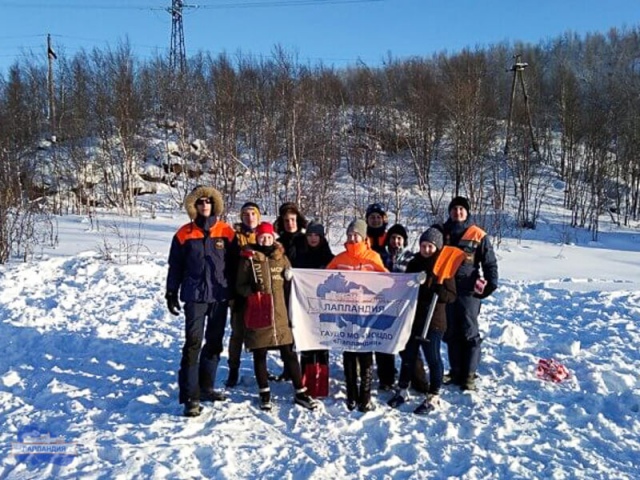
column 246, row 268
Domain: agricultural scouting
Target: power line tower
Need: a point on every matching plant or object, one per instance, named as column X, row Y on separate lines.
column 177, row 53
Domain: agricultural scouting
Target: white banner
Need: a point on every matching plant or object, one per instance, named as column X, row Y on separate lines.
column 352, row 310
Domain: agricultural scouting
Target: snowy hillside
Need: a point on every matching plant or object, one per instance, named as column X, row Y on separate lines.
column 90, row 354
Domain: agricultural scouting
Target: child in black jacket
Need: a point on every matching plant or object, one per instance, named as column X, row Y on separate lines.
column 430, row 246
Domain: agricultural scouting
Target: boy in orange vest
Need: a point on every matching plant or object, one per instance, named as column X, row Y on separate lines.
column 463, row 334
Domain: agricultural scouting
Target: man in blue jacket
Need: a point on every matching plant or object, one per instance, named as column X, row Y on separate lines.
column 463, row 333
column 202, row 269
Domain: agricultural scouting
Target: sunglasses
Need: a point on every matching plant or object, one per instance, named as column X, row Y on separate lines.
column 203, row 201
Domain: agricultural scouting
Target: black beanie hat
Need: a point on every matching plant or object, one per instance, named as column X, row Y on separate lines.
column 460, row 202
column 250, row 205
column 375, row 208
column 432, row 235
column 397, row 229
column 315, row 227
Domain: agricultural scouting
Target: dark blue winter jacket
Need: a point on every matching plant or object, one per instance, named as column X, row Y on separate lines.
column 479, row 253
column 203, row 261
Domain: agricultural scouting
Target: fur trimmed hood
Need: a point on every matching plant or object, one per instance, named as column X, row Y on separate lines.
column 202, row 191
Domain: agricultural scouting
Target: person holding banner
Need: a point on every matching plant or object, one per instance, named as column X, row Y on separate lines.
column 431, row 243
column 316, row 253
column 261, row 281
column 396, row 258
column 358, row 255
column 463, row 332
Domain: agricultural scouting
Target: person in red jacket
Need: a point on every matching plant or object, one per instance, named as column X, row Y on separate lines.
column 358, row 256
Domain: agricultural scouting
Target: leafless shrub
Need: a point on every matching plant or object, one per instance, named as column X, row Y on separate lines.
column 122, row 241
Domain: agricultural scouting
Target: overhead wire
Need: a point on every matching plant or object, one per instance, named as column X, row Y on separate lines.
column 208, row 6
column 189, row 8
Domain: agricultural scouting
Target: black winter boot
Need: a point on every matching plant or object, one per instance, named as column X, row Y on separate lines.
column 265, row 399
column 469, row 384
column 192, row 408
column 213, row 396
column 431, row 403
column 399, row 398
column 351, row 380
column 305, row 400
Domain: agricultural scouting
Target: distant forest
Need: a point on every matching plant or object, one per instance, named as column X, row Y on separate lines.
column 495, row 124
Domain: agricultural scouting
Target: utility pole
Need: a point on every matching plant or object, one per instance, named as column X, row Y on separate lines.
column 177, row 53
column 518, row 69
column 51, row 56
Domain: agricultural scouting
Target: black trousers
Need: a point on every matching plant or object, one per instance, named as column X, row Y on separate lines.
column 291, row 364
column 463, row 336
column 198, row 363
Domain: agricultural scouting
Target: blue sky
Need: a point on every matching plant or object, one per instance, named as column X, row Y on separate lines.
column 336, row 32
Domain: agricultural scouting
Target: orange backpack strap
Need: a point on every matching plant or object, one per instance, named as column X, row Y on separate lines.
column 474, row 234
column 470, row 241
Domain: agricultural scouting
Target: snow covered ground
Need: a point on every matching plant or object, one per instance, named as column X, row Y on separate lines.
column 88, row 353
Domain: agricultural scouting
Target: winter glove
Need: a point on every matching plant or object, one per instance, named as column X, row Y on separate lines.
column 172, row 302
column 287, row 274
column 437, row 289
column 256, row 287
column 422, row 277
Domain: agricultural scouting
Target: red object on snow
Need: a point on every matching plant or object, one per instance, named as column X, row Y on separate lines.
column 315, row 373
column 549, row 369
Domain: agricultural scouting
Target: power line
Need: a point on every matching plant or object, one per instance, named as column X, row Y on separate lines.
column 177, row 45
column 283, row 3
column 208, row 6
column 83, row 6
column 14, row 37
